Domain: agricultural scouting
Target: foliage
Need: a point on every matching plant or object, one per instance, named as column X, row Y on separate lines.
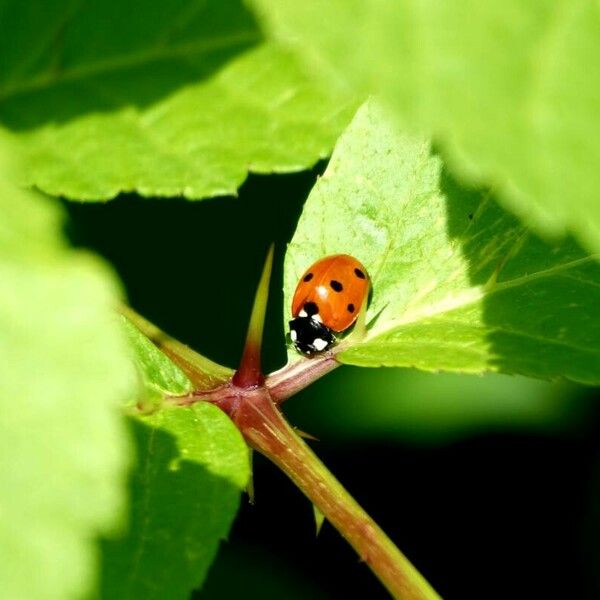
column 158, row 376
column 457, row 283
column 185, row 99
column 184, row 493
column 510, row 89
column 64, row 367
column 425, row 409
column 192, row 464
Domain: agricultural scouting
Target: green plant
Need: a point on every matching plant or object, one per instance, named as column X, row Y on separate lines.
column 186, row 100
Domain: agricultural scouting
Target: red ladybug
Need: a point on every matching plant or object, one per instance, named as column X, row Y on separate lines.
column 328, row 299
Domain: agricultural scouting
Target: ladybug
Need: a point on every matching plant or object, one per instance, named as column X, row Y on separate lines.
column 327, row 300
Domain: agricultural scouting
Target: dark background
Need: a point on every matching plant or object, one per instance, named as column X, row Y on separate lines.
column 491, row 486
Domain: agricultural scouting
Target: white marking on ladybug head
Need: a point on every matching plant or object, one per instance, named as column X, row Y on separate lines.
column 293, row 335
column 303, row 313
column 319, row 344
column 317, row 318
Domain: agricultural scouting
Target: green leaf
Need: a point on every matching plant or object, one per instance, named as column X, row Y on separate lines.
column 64, row 368
column 511, row 89
column 167, row 366
column 158, row 376
column 458, row 284
column 180, row 99
column 185, row 492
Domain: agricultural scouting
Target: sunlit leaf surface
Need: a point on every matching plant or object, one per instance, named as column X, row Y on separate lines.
column 512, row 88
column 458, row 284
column 184, row 101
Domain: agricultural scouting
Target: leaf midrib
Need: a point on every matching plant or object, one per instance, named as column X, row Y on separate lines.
column 146, row 481
column 128, row 61
column 472, row 295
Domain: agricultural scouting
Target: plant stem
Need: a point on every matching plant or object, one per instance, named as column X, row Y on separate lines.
column 296, row 376
column 266, row 430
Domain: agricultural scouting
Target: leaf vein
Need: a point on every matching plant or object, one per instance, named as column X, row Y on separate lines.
column 128, row 61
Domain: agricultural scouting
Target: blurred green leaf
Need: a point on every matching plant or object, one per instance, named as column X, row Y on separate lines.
column 174, row 101
column 399, row 404
column 185, row 492
column 458, row 284
column 64, row 368
column 512, row 89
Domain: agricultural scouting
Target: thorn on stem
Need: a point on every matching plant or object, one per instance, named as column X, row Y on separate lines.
column 249, row 373
column 305, row 435
column 319, row 519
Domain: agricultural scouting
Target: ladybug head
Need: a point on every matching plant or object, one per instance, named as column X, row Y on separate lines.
column 310, row 336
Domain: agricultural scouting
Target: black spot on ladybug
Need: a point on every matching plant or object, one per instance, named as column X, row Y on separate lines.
column 307, row 277
column 359, row 273
column 350, row 308
column 311, row 309
column 336, row 286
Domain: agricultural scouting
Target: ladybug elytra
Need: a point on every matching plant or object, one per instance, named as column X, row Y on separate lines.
column 327, row 301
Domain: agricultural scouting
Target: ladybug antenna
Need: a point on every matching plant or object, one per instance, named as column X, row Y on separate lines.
column 249, row 373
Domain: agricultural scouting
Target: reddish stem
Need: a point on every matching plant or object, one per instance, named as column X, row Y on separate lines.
column 265, row 430
column 249, row 373
column 251, row 402
column 296, row 376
